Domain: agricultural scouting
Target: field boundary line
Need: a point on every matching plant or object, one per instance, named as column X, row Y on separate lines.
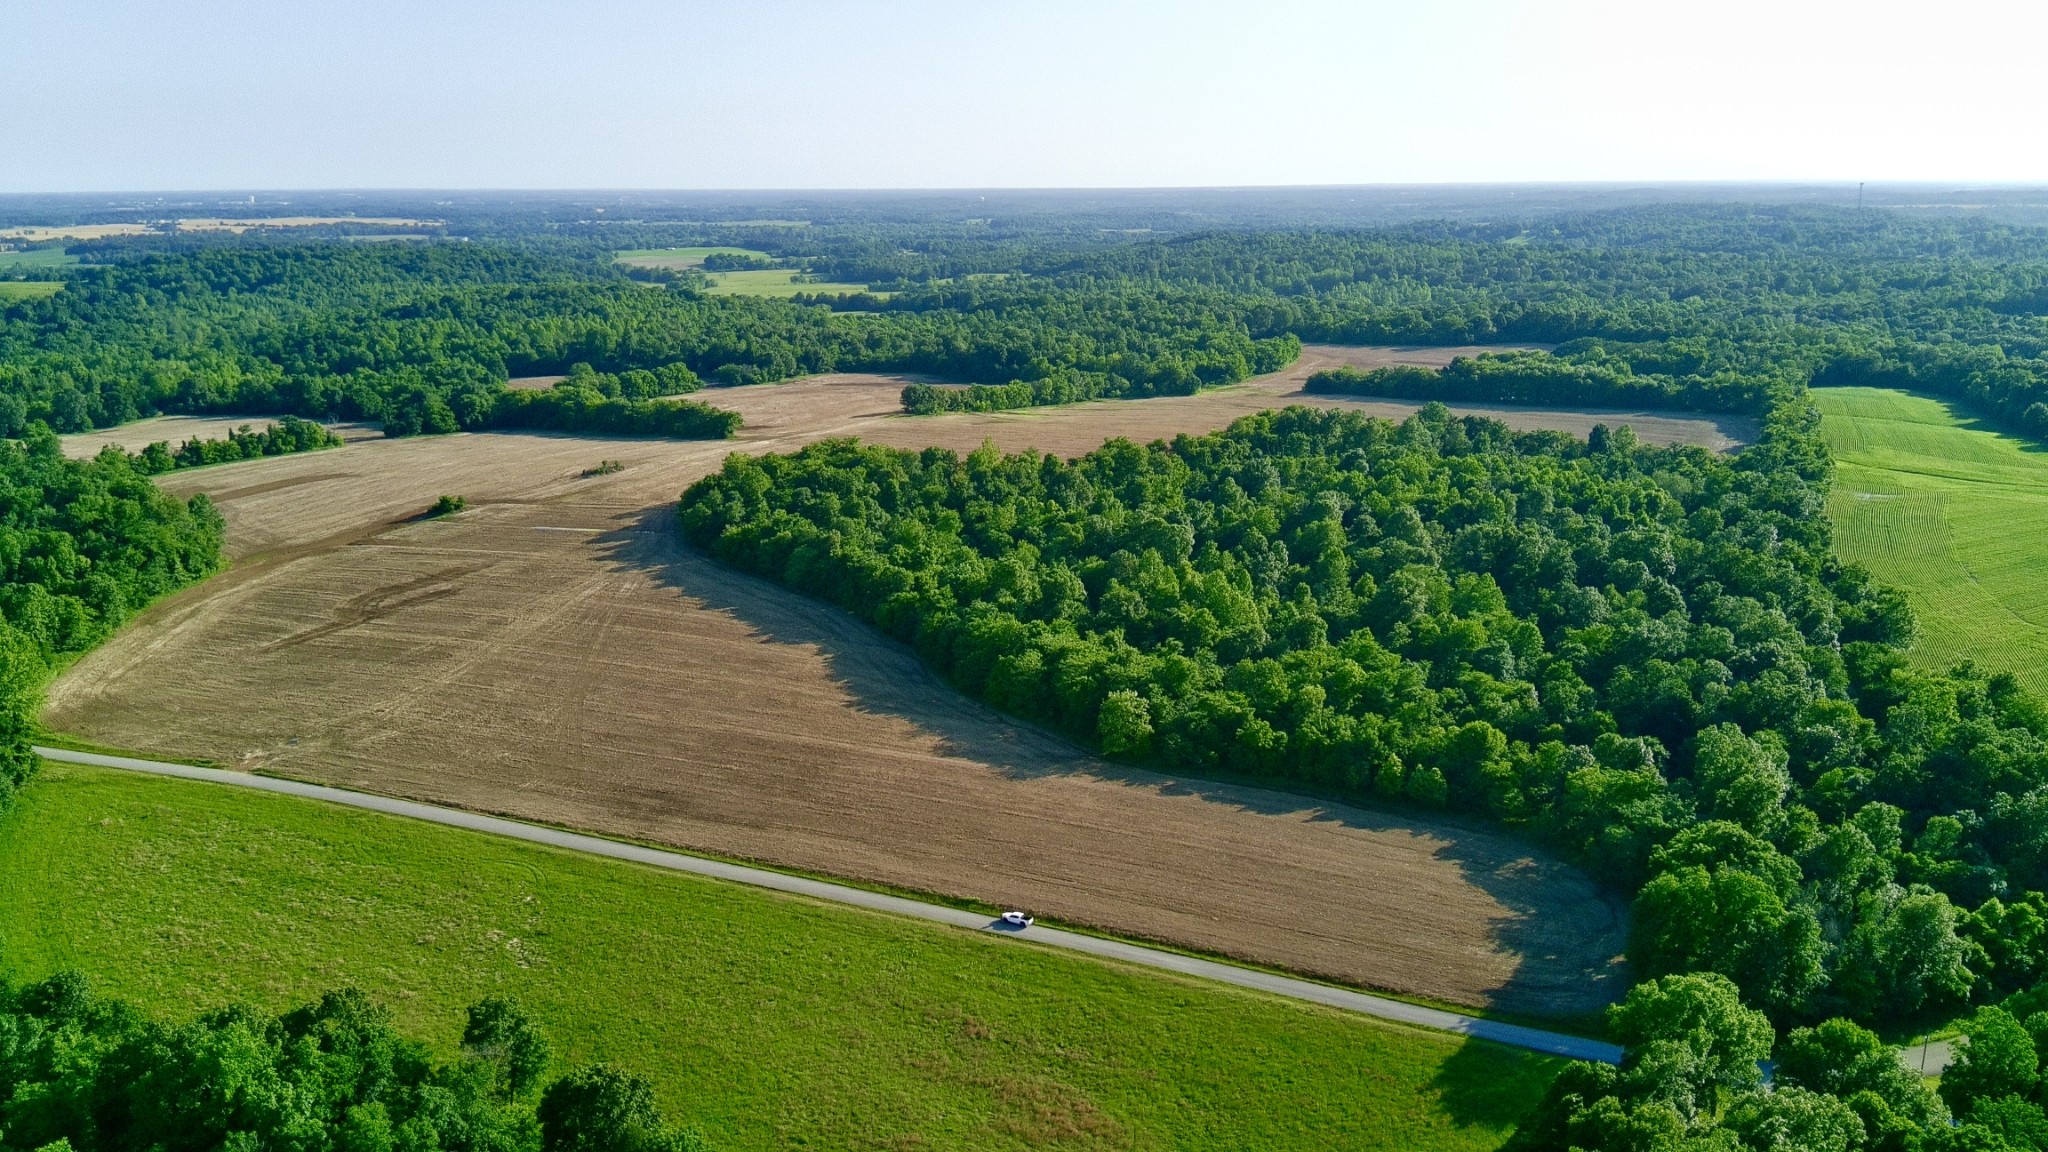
column 1364, row 1003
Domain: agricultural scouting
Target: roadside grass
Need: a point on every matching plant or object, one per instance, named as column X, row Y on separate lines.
column 29, row 289
column 1953, row 513
column 768, row 1021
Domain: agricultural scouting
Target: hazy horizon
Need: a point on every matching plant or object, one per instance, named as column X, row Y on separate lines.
column 868, row 96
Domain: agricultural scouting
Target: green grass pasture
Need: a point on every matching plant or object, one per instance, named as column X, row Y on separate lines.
column 1953, row 513
column 36, row 258
column 778, row 282
column 29, row 289
column 767, row 1021
column 677, row 258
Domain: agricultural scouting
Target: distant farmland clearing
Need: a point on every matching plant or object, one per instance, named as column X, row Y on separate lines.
column 29, row 289
column 1955, row 515
column 555, row 653
column 779, row 282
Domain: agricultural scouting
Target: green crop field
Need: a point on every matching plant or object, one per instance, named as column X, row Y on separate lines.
column 778, row 282
column 1953, row 513
column 29, row 289
column 37, row 258
column 767, row 1021
column 677, row 258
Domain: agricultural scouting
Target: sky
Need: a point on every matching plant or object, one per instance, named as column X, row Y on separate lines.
column 150, row 95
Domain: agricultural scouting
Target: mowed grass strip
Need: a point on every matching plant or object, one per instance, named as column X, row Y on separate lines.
column 768, row 1021
column 1953, row 513
column 29, row 289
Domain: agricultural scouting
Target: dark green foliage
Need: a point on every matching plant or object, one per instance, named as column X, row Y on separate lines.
column 1635, row 652
column 566, row 409
column 327, row 1077
column 1069, row 386
column 1690, row 1082
column 600, row 1109
column 288, row 435
column 447, row 506
column 1542, row 379
column 83, row 545
column 736, row 262
column 501, row 1034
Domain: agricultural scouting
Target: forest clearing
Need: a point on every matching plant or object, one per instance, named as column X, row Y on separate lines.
column 1952, row 513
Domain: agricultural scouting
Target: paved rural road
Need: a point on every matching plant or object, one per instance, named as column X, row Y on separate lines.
column 1535, row 1039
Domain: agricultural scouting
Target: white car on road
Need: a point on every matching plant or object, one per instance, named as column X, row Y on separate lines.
column 1017, row 920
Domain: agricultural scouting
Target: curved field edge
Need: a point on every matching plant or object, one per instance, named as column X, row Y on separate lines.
column 766, row 1020
column 1952, row 513
column 667, row 699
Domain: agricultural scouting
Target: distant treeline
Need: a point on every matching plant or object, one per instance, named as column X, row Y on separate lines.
column 1539, row 378
column 561, row 409
column 1716, row 304
column 1069, row 387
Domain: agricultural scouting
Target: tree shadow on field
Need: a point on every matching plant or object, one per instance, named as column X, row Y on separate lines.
column 1565, row 932
column 1491, row 1085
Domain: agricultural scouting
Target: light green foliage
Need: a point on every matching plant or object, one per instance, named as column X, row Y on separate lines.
column 763, row 1021
column 28, row 289
column 1953, row 514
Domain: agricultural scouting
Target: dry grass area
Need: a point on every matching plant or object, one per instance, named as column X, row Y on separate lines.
column 177, row 429
column 554, row 653
column 36, row 234
column 239, row 225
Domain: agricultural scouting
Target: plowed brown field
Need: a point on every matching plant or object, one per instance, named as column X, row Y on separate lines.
column 555, row 653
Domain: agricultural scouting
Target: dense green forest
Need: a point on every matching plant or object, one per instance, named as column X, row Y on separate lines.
column 80, row 1073
column 83, row 546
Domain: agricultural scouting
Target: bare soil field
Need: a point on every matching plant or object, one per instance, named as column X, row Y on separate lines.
column 555, row 653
